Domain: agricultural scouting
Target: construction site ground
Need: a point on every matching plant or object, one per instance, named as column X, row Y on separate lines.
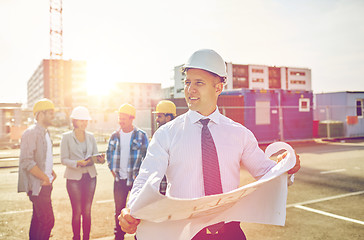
column 325, row 202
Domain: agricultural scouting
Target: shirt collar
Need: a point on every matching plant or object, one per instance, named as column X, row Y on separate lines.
column 195, row 116
column 41, row 128
column 121, row 130
column 74, row 135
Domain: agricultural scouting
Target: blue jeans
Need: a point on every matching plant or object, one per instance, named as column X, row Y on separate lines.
column 43, row 217
column 120, row 194
column 81, row 193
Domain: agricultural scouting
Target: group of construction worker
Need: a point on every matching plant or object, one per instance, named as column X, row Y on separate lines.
column 78, row 149
column 196, row 154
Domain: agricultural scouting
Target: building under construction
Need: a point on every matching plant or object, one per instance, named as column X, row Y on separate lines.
column 67, row 88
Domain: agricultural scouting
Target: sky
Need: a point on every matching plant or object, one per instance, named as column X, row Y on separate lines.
column 142, row 41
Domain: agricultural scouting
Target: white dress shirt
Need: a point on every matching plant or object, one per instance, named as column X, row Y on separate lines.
column 175, row 150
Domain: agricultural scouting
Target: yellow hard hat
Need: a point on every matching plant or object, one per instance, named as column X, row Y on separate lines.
column 43, row 105
column 127, row 109
column 166, row 106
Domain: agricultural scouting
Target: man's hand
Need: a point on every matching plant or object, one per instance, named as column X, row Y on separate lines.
column 46, row 181
column 127, row 223
column 41, row 175
column 54, row 176
column 101, row 158
column 296, row 167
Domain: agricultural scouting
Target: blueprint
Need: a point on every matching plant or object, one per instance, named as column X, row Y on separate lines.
column 263, row 201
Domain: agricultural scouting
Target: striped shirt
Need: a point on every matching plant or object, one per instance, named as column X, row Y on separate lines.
column 175, row 151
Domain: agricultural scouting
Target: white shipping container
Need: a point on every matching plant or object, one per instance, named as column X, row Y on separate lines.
column 178, row 82
column 298, row 79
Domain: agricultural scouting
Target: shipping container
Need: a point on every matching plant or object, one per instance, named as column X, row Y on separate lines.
column 298, row 79
column 260, row 112
column 346, row 107
column 258, row 77
column 263, row 108
column 274, row 77
column 232, row 107
column 297, row 114
column 240, row 76
column 262, row 115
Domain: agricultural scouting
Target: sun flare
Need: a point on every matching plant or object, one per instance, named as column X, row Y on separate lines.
column 99, row 80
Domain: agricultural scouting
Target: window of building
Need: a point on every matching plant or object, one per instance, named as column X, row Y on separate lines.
column 297, row 73
column 258, row 80
column 274, row 72
column 240, row 71
column 304, row 105
column 240, row 82
column 257, row 70
column 262, row 112
column 359, row 107
column 301, row 82
column 274, row 83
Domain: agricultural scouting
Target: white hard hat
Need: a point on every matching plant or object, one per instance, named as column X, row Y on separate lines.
column 209, row 60
column 80, row 113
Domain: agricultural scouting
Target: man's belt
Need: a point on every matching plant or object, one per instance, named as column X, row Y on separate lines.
column 215, row 229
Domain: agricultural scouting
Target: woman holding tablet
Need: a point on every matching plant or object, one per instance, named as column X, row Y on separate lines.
column 78, row 153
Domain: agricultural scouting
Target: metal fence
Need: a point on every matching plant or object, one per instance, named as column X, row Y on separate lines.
column 338, row 121
column 267, row 123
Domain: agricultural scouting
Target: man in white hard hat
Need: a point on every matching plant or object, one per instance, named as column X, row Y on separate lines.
column 165, row 112
column 201, row 151
column 126, row 150
column 36, row 173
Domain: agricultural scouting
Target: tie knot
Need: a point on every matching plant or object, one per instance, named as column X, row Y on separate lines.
column 205, row 121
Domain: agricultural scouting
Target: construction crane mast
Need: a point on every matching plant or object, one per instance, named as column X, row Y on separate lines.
column 56, row 71
column 56, row 29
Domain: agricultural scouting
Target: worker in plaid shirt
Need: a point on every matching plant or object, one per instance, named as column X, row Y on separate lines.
column 125, row 153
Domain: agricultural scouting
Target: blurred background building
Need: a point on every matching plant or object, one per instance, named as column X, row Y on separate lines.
column 66, row 88
column 255, row 77
column 275, row 103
